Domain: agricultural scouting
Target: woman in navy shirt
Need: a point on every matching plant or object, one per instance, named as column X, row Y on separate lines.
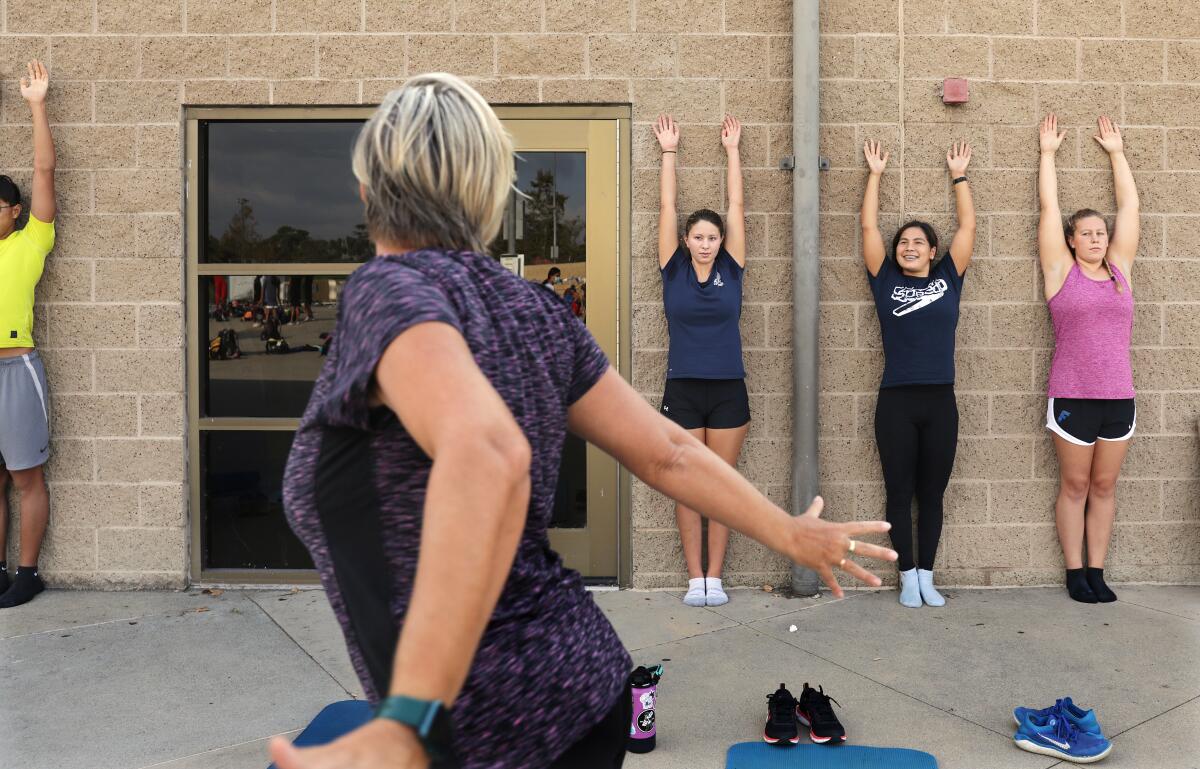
column 916, row 415
column 702, row 297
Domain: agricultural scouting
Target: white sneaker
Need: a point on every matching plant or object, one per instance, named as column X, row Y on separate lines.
column 695, row 594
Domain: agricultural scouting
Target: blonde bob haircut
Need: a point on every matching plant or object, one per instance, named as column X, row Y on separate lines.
column 436, row 166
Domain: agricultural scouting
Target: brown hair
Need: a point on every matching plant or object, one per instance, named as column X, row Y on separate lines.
column 1069, row 225
column 704, row 215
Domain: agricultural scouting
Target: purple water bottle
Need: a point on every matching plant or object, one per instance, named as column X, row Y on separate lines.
column 643, row 687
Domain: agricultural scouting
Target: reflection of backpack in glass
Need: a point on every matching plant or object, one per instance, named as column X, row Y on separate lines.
column 224, row 346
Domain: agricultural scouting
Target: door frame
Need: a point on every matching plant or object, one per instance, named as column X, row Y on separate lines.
column 620, row 114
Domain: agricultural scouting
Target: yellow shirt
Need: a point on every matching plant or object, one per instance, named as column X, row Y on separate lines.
column 22, row 257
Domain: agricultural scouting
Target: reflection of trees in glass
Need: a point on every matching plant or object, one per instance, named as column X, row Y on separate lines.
column 241, row 243
column 544, row 208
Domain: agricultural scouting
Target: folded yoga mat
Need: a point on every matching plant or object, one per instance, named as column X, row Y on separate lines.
column 760, row 755
column 332, row 722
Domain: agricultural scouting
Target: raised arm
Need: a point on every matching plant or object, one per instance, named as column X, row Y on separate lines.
column 33, row 90
column 616, row 419
column 962, row 246
column 872, row 249
column 1122, row 247
column 667, row 133
column 479, row 483
column 1055, row 257
column 735, row 219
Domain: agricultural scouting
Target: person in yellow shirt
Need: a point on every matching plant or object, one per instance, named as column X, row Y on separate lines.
column 24, row 404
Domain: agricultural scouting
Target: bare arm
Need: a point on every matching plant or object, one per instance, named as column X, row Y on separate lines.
column 667, row 133
column 735, row 219
column 479, row 483
column 1053, row 253
column 618, row 420
column 1122, row 248
column 873, row 251
column 33, row 90
column 962, row 246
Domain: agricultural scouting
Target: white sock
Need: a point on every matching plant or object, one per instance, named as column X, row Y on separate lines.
column 695, row 593
column 929, row 593
column 715, row 595
column 910, row 592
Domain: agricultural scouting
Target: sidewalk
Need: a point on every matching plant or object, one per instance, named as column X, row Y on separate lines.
column 195, row 681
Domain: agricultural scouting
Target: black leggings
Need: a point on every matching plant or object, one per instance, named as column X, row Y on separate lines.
column 604, row 746
column 916, row 427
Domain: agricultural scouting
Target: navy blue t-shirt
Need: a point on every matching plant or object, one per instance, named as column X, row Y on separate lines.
column 702, row 318
column 917, row 319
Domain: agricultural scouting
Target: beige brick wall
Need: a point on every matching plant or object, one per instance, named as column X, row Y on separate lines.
column 109, row 319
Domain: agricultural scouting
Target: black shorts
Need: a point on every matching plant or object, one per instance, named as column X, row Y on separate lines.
column 715, row 403
column 1083, row 421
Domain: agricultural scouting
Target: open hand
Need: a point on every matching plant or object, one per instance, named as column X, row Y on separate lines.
column 667, row 133
column 1049, row 136
column 958, row 158
column 731, row 133
column 378, row 744
column 1110, row 136
column 876, row 158
column 824, row 546
column 36, row 83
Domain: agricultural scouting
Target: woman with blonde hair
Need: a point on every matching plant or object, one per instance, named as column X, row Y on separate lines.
column 1090, row 407
column 422, row 475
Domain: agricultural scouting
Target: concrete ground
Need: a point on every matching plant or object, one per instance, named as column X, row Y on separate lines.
column 94, row 680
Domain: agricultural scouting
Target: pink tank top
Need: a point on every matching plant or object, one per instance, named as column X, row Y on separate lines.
column 1093, row 326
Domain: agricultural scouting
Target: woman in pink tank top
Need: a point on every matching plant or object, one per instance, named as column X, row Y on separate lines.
column 1090, row 410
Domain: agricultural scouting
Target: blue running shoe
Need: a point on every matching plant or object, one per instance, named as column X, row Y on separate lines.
column 1084, row 720
column 1053, row 735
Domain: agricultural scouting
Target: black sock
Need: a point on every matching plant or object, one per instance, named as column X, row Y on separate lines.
column 3, row 576
column 1077, row 586
column 1095, row 580
column 24, row 587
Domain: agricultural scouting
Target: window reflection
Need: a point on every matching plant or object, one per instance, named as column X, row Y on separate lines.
column 267, row 337
column 281, row 191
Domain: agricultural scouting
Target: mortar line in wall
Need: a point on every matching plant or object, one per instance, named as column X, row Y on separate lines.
column 900, row 97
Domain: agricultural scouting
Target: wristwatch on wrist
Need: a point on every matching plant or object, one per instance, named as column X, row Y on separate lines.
column 959, row 179
column 429, row 719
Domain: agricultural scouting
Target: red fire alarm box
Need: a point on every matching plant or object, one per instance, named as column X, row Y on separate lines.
column 955, row 90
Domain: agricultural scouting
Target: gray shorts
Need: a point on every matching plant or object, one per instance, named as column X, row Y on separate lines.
column 24, row 412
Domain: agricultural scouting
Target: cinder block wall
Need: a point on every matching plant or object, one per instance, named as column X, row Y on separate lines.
column 109, row 319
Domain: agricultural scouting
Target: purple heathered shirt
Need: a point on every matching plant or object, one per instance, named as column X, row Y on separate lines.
column 1093, row 328
column 550, row 665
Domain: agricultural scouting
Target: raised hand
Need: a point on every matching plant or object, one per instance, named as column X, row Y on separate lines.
column 667, row 133
column 876, row 158
column 731, row 133
column 1049, row 136
column 1110, row 136
column 35, row 84
column 958, row 158
column 824, row 546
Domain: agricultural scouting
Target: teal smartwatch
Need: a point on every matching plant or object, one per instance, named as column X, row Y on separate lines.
column 429, row 719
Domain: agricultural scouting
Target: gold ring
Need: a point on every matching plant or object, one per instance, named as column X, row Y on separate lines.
column 841, row 563
column 852, row 544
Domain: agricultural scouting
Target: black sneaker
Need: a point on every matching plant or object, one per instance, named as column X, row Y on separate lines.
column 781, row 719
column 815, row 712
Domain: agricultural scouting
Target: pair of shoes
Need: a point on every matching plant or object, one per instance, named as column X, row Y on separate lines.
column 916, row 588
column 1064, row 731
column 811, row 710
column 705, row 591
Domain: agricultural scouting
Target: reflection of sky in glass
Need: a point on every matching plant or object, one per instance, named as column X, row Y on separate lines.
column 293, row 173
column 568, row 169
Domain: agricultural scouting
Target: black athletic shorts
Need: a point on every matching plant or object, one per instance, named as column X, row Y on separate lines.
column 716, row 403
column 1083, row 421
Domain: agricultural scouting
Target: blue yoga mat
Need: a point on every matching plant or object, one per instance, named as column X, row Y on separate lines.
column 332, row 722
column 760, row 755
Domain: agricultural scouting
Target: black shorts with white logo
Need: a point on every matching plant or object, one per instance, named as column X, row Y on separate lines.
column 1083, row 421
column 716, row 403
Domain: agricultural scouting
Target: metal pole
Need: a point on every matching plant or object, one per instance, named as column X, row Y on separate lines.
column 806, row 199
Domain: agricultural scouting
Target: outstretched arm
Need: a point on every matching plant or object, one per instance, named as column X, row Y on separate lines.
column 735, row 219
column 667, row 133
column 1122, row 247
column 33, row 90
column 962, row 246
column 872, row 249
column 1053, row 253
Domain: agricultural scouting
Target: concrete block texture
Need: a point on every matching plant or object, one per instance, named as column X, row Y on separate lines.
column 110, row 315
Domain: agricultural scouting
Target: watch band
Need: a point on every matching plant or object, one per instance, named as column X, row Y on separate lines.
column 424, row 717
column 959, row 179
